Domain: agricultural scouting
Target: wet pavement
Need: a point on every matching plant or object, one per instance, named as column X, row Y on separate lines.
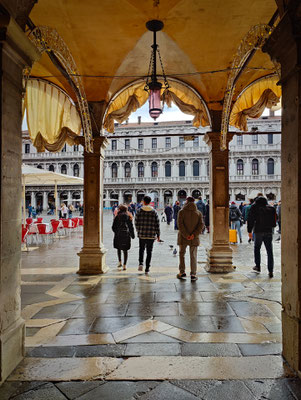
column 125, row 335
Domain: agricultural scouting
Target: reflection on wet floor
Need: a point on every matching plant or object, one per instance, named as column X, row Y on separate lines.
column 127, row 326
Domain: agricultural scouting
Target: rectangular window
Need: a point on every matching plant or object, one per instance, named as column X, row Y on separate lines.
column 255, row 139
column 154, row 143
column 140, row 144
column 127, row 144
column 270, row 138
column 181, row 141
column 114, row 144
column 27, row 148
column 75, row 147
column 196, row 141
column 240, row 140
column 168, row 142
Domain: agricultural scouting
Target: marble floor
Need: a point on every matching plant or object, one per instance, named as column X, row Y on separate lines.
column 125, row 335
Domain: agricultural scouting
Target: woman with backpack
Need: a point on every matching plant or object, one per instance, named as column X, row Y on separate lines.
column 235, row 219
column 123, row 232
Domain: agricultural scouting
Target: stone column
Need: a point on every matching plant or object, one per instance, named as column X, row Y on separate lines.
column 33, row 199
column 284, row 46
column 45, row 201
column 92, row 255
column 220, row 253
column 16, row 51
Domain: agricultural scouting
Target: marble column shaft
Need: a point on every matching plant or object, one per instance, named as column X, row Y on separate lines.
column 16, row 51
column 284, row 46
column 92, row 255
column 219, row 254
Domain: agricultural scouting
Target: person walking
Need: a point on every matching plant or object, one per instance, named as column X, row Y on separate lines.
column 176, row 209
column 168, row 213
column 262, row 220
column 201, row 206
column 123, row 232
column 70, row 211
column 29, row 210
column 148, row 229
column 207, row 217
column 64, row 210
column 190, row 223
column 235, row 219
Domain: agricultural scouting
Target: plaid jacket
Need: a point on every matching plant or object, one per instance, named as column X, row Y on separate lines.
column 147, row 223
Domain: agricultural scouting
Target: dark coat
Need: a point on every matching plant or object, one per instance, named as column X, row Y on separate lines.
column 201, row 207
column 168, row 212
column 124, row 231
column 176, row 209
column 207, row 215
column 262, row 217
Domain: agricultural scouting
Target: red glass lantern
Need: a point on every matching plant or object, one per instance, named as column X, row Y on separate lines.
column 153, row 87
column 155, row 107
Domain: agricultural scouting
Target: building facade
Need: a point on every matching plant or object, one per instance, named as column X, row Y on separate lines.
column 157, row 159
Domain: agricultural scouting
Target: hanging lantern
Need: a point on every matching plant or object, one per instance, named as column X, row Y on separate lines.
column 153, row 86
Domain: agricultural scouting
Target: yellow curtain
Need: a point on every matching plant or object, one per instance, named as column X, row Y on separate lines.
column 51, row 117
column 135, row 96
column 262, row 94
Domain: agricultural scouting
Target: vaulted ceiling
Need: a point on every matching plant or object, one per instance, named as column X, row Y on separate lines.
column 111, row 45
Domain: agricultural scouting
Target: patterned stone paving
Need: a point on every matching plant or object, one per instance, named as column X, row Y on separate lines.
column 119, row 335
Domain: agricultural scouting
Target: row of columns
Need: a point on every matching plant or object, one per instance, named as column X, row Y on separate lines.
column 162, row 195
column 69, row 200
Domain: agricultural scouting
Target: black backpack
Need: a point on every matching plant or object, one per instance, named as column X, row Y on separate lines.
column 233, row 214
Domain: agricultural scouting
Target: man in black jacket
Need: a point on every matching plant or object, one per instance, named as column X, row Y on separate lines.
column 262, row 219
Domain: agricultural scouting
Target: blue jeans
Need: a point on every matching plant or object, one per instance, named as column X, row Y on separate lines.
column 236, row 225
column 266, row 238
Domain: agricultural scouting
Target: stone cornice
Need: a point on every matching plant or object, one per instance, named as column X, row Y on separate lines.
column 12, row 35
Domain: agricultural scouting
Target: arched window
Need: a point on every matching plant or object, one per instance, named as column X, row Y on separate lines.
column 181, row 168
column 196, row 168
column 154, row 169
column 64, row 169
column 240, row 167
column 76, row 170
column 255, row 167
column 140, row 170
column 114, row 170
column 271, row 166
column 168, row 169
column 51, row 168
column 40, row 166
column 127, row 170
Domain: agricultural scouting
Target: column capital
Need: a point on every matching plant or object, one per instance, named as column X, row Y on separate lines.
column 213, row 139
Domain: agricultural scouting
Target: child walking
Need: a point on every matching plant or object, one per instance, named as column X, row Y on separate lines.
column 123, row 232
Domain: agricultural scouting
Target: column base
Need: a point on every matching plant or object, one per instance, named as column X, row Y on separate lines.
column 219, row 259
column 11, row 348
column 92, row 261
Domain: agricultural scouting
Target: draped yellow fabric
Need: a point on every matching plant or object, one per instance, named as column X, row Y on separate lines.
column 51, row 117
column 262, row 94
column 135, row 96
